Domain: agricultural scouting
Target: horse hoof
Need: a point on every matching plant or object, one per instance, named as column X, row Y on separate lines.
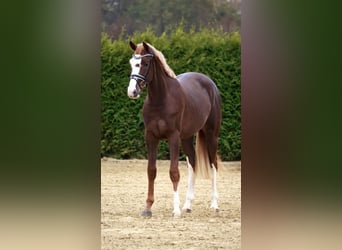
column 188, row 210
column 176, row 214
column 146, row 213
column 217, row 210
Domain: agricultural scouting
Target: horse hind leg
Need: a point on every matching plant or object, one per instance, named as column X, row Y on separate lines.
column 188, row 148
column 214, row 194
column 212, row 144
column 190, row 194
column 173, row 142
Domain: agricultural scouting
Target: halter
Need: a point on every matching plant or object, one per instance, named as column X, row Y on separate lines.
column 139, row 76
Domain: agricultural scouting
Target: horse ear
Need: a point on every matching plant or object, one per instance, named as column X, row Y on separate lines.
column 133, row 46
column 147, row 48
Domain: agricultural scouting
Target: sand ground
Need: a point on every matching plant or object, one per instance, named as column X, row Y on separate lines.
column 123, row 195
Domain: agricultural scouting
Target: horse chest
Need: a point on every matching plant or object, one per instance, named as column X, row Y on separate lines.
column 158, row 127
column 161, row 121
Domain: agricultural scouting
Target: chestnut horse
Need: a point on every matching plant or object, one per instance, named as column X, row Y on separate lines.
column 176, row 108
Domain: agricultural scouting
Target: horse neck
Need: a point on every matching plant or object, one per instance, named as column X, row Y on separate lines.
column 158, row 87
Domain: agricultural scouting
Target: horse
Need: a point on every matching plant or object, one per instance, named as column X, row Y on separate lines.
column 176, row 108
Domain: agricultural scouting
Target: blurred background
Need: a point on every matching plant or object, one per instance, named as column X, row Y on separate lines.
column 161, row 15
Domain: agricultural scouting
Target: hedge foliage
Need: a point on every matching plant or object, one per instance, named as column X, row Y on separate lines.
column 211, row 52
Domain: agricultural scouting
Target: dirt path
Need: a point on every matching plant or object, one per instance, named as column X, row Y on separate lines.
column 123, row 194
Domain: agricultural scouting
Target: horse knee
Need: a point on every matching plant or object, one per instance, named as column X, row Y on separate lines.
column 174, row 175
column 152, row 173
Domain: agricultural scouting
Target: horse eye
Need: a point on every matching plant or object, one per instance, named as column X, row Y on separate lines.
column 137, row 65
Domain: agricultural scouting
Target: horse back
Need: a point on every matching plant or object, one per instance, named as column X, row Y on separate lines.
column 194, row 83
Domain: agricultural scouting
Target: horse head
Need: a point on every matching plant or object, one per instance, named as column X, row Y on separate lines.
column 141, row 63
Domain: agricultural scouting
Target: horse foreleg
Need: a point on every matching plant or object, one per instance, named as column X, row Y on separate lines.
column 174, row 172
column 151, row 173
column 152, row 146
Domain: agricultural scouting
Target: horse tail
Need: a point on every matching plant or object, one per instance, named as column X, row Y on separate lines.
column 202, row 157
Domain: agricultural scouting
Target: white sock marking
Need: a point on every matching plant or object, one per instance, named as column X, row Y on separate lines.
column 191, row 182
column 176, row 202
column 214, row 193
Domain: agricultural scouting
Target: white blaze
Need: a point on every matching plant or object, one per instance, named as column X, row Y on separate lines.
column 135, row 65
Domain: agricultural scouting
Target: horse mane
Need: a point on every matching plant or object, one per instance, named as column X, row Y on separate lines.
column 162, row 60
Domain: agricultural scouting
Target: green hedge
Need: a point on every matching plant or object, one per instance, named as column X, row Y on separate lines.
column 209, row 51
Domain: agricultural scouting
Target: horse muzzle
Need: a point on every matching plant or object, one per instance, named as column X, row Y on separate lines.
column 133, row 90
